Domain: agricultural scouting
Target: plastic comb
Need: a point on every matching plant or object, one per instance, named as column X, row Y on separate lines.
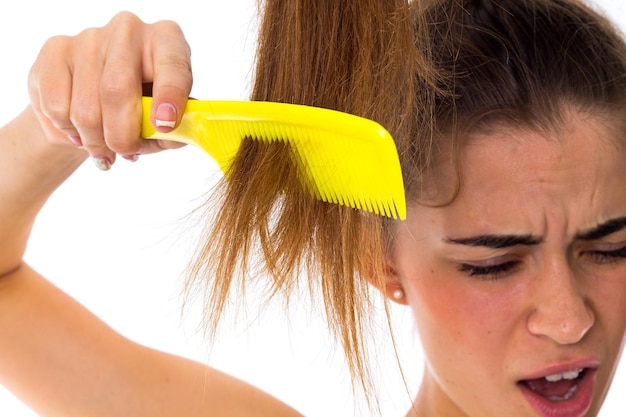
column 347, row 160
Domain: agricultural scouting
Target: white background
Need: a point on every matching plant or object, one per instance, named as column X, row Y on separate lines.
column 119, row 241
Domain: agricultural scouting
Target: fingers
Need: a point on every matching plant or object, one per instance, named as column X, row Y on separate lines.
column 87, row 63
column 86, row 89
column 120, row 85
column 50, row 89
column 172, row 75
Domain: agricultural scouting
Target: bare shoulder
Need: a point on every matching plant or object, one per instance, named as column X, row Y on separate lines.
column 60, row 359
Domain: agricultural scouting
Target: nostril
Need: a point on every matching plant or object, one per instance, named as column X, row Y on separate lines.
column 565, row 325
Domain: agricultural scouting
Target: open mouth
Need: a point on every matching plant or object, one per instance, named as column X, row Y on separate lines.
column 566, row 394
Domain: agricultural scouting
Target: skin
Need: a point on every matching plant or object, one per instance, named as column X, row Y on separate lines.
column 55, row 355
column 561, row 298
column 558, row 304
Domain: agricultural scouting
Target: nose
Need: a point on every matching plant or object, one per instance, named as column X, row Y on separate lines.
column 560, row 310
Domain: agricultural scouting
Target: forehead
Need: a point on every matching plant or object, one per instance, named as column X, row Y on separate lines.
column 576, row 172
column 567, row 159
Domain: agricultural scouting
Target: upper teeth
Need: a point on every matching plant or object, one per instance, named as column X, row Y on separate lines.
column 565, row 375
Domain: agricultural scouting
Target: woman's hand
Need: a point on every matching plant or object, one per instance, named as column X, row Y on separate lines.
column 55, row 355
column 86, row 89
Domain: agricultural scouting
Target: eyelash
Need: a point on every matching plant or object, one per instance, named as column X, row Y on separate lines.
column 499, row 271
column 492, row 272
column 605, row 257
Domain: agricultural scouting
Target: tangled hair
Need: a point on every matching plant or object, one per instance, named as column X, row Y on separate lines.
column 353, row 56
column 430, row 72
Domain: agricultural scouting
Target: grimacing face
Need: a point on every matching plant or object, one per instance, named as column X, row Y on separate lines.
column 518, row 287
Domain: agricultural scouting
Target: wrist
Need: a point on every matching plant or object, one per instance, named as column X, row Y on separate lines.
column 31, row 168
column 9, row 271
column 33, row 165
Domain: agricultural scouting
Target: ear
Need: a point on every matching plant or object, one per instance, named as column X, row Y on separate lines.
column 387, row 281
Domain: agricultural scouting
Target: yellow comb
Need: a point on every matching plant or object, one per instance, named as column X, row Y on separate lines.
column 347, row 159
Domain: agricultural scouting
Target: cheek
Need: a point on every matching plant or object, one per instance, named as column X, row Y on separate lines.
column 463, row 322
column 608, row 298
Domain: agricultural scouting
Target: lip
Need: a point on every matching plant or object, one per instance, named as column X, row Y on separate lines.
column 590, row 363
column 576, row 406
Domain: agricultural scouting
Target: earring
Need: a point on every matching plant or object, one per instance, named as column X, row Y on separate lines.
column 398, row 294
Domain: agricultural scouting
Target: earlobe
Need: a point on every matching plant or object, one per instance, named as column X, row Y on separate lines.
column 396, row 293
column 393, row 288
column 388, row 282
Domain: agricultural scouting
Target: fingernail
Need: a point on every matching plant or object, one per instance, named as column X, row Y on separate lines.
column 77, row 141
column 131, row 158
column 165, row 115
column 101, row 162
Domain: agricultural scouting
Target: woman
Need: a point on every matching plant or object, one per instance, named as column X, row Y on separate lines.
column 508, row 117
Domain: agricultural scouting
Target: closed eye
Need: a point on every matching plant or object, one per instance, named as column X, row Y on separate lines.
column 492, row 271
column 606, row 256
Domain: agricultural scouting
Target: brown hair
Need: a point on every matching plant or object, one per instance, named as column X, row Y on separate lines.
column 521, row 64
column 427, row 71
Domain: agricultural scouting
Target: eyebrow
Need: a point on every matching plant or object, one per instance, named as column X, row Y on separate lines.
column 498, row 241
column 603, row 230
column 506, row 241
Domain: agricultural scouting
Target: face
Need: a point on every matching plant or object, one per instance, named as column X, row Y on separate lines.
column 522, row 276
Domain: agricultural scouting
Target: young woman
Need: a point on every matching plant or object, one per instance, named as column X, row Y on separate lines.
column 509, row 121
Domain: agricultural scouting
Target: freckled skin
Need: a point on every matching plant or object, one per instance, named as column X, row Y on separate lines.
column 558, row 304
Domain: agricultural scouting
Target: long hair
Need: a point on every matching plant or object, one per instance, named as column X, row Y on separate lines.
column 430, row 72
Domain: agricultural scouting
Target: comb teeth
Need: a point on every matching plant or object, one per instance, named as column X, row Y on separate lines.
column 343, row 159
column 322, row 157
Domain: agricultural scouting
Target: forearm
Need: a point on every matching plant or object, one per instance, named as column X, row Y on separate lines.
column 62, row 360
column 31, row 168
